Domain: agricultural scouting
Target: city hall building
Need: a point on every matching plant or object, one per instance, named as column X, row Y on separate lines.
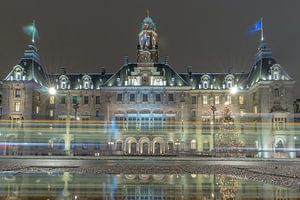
column 147, row 108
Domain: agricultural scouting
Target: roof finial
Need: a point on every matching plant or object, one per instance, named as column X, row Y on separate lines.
column 148, row 13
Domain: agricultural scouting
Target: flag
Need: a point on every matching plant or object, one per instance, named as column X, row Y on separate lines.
column 256, row 27
column 31, row 30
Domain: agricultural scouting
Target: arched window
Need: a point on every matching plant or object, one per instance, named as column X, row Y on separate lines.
column 229, row 81
column 18, row 73
column 205, row 79
column 87, row 82
column 275, row 72
column 63, row 82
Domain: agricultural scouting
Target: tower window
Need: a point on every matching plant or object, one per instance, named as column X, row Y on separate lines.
column 18, row 93
column 276, row 92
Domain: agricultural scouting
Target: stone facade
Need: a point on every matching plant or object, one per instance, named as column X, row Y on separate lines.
column 148, row 108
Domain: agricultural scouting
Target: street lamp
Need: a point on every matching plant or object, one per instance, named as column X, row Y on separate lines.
column 52, row 91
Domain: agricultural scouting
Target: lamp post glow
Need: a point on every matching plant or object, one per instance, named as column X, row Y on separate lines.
column 52, row 91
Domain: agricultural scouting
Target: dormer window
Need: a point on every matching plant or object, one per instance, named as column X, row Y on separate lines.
column 229, row 81
column 18, row 74
column 275, row 73
column 205, row 79
column 63, row 82
column 86, row 82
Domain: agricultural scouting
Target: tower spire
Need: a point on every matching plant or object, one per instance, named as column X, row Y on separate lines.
column 31, row 30
column 262, row 29
column 148, row 13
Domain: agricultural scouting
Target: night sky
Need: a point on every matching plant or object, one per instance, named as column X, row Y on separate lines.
column 206, row 34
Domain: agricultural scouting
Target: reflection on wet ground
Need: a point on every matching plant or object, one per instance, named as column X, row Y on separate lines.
column 51, row 185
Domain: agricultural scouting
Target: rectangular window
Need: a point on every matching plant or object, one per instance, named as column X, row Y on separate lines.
column 241, row 100
column 51, row 113
column 52, row 100
column 63, row 100
column 119, row 97
column 86, row 100
column 205, row 101
column 18, row 93
column 97, row 99
column 217, row 100
column 193, row 113
column 229, row 99
column 170, row 97
column 194, row 100
column 17, row 106
column 242, row 113
column 145, row 97
column 37, row 110
column 276, row 92
column 74, row 100
column 157, row 98
column 132, row 97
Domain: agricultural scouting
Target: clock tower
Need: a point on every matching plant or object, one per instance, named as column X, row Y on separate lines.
column 147, row 49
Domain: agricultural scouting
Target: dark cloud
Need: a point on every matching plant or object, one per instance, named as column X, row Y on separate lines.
column 207, row 34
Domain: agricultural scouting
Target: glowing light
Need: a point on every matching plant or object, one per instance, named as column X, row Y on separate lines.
column 226, row 103
column 234, row 90
column 52, row 91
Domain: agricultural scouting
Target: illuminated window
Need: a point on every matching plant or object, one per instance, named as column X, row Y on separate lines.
column 255, row 109
column 52, row 100
column 217, row 100
column 241, row 100
column 51, row 113
column 18, row 93
column 17, row 106
column 18, row 74
column 37, row 110
column 194, row 100
column 242, row 113
column 193, row 144
column 229, row 99
column 279, row 123
column 205, row 101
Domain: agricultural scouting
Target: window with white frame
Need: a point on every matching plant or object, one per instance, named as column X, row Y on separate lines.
column 241, row 100
column 229, row 81
column 275, row 72
column 18, row 73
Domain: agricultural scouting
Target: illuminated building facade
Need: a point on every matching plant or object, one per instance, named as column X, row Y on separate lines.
column 146, row 107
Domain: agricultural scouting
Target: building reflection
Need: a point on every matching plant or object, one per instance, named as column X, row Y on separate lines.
column 66, row 186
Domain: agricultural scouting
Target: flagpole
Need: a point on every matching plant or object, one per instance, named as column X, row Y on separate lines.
column 33, row 31
column 262, row 29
